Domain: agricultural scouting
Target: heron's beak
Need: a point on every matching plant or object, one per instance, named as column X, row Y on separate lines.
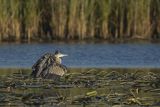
column 62, row 55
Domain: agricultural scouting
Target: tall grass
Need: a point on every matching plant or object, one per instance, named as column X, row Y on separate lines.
column 40, row 20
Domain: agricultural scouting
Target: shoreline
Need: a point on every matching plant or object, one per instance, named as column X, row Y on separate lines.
column 86, row 41
column 89, row 68
column 27, row 71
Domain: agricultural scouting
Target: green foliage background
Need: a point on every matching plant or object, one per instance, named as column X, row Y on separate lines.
column 40, row 20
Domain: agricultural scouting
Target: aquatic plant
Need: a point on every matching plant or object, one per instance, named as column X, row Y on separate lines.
column 47, row 20
column 127, row 87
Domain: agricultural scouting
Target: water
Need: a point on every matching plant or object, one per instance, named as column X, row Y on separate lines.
column 112, row 86
column 82, row 88
column 83, row 55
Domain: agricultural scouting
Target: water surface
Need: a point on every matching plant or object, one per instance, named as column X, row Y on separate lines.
column 83, row 55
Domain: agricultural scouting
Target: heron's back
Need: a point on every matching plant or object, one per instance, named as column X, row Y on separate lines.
column 42, row 64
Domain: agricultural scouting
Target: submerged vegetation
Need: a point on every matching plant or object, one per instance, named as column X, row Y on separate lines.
column 92, row 87
column 40, row 20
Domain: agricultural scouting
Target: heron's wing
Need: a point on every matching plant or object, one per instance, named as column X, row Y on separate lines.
column 56, row 69
column 41, row 64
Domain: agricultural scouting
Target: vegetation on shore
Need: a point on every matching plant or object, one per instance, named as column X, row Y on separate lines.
column 82, row 87
column 41, row 20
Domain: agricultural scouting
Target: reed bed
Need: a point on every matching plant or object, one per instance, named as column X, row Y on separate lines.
column 47, row 20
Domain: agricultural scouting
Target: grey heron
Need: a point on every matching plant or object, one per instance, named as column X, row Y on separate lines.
column 49, row 66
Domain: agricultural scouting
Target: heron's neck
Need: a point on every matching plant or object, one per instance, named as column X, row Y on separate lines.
column 58, row 60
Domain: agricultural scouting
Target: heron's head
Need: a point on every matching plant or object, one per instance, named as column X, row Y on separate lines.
column 59, row 54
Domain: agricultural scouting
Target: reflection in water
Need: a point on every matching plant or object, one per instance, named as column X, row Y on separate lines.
column 81, row 87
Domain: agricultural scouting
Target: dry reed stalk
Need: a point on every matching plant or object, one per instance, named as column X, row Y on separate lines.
column 78, row 19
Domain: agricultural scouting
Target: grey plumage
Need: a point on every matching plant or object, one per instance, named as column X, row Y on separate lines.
column 49, row 66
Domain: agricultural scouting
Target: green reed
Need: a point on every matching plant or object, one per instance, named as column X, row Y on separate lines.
column 40, row 20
